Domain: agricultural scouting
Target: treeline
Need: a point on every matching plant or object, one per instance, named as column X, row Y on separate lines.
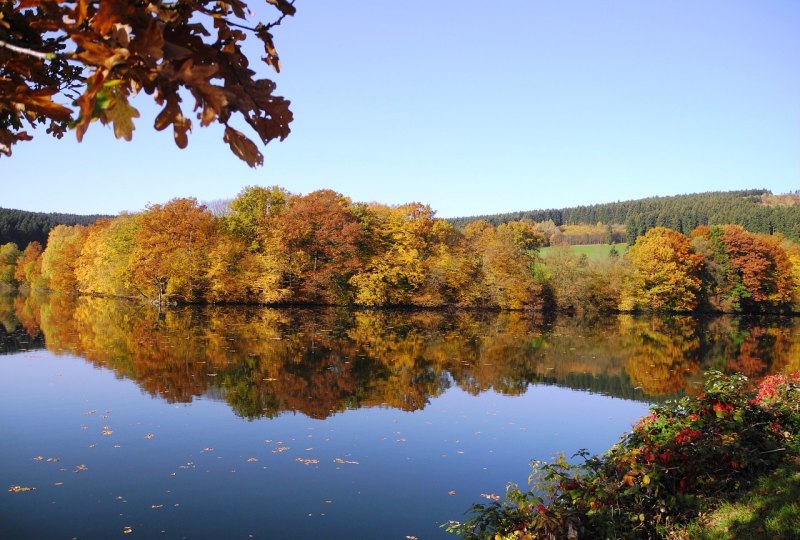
column 755, row 210
column 400, row 359
column 274, row 247
column 22, row 227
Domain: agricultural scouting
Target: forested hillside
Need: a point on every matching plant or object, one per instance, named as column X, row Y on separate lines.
column 756, row 210
column 22, row 227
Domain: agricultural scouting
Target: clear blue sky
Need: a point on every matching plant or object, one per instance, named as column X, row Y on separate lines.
column 478, row 107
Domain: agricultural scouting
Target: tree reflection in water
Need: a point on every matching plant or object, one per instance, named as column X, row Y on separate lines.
column 265, row 361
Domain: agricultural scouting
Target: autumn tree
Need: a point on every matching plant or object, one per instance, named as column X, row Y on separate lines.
column 29, row 265
column 9, row 254
column 253, row 213
column 408, row 256
column 60, row 259
column 105, row 259
column 67, row 64
column 170, row 256
column 744, row 271
column 666, row 273
column 505, row 256
column 245, row 262
column 322, row 240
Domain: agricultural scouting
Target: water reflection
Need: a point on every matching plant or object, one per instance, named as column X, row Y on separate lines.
column 320, row 361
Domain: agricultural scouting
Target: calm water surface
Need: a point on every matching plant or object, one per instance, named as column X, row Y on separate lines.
column 262, row 423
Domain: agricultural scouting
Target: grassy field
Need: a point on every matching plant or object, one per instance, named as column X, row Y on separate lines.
column 594, row 252
column 768, row 511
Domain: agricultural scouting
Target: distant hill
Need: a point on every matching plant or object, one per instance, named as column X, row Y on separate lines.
column 757, row 210
column 22, row 227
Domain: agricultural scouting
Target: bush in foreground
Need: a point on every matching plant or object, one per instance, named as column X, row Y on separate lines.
column 676, row 459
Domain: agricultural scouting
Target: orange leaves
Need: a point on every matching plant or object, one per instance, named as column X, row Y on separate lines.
column 243, row 147
column 163, row 48
column 172, row 114
column 118, row 111
column 171, row 250
column 110, row 13
column 667, row 271
column 36, row 101
column 761, row 263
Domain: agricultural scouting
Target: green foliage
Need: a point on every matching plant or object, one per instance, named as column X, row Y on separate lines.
column 593, row 252
column 9, row 254
column 677, row 458
column 23, row 227
column 682, row 213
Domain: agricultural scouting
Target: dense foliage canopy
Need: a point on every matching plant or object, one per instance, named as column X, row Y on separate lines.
column 65, row 64
column 271, row 246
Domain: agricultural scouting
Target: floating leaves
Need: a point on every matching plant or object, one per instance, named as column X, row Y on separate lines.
column 252, row 460
column 490, row 496
column 280, row 449
column 107, row 431
column 81, row 468
column 306, row 461
column 149, row 436
column 345, row 462
column 20, row 489
column 127, row 530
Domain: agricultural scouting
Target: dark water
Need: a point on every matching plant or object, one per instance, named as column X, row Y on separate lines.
column 263, row 423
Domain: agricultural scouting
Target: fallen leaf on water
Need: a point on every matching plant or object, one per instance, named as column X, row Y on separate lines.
column 156, row 506
column 53, row 460
column 280, row 449
column 87, row 413
column 92, row 445
column 81, row 468
column 401, row 439
column 149, row 436
column 344, row 461
column 107, row 430
column 451, row 492
column 20, row 489
column 38, row 458
column 59, row 484
column 490, row 496
column 209, row 449
column 307, row 461
column 252, row 460
column 410, row 537
column 127, row 530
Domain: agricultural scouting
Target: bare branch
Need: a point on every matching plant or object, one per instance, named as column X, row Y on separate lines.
column 29, row 52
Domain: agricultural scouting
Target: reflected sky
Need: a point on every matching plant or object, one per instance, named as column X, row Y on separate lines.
column 264, row 423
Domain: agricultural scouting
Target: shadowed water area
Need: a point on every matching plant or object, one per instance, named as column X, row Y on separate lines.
column 321, row 423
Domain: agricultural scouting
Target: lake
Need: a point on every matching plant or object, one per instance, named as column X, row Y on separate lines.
column 244, row 422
